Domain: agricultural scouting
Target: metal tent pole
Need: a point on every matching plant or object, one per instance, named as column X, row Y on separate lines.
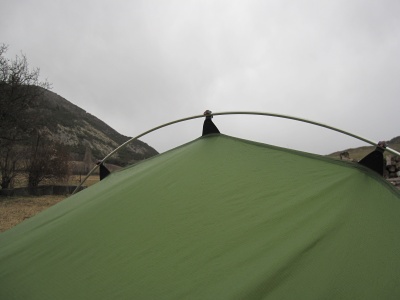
column 232, row 113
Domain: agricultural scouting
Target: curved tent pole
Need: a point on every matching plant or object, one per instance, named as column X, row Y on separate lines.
column 231, row 113
column 130, row 140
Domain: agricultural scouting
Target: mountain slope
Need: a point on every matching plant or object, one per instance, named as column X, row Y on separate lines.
column 360, row 152
column 70, row 125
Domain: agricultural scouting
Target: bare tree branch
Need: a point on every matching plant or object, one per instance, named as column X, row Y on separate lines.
column 20, row 89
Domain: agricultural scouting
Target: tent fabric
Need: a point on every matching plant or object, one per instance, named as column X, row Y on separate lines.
column 217, row 218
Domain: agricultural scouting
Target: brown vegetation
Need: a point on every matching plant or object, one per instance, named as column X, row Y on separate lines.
column 14, row 210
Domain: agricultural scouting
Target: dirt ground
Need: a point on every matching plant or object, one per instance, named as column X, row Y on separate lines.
column 14, row 210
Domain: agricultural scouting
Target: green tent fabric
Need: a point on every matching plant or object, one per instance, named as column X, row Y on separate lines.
column 217, row 218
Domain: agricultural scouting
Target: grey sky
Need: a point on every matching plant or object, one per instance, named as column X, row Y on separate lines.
column 139, row 64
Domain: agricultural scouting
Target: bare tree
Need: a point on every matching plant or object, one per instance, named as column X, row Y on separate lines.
column 11, row 156
column 20, row 88
column 46, row 160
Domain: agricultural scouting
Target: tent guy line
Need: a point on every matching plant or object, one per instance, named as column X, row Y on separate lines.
column 231, row 113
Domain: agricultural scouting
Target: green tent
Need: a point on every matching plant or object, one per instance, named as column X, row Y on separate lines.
column 217, row 218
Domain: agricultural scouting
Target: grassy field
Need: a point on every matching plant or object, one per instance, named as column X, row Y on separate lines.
column 14, row 210
column 22, row 181
column 76, row 179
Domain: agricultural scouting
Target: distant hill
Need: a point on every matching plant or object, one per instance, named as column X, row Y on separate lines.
column 72, row 126
column 360, row 152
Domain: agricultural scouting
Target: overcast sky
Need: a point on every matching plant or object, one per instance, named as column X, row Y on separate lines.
column 139, row 64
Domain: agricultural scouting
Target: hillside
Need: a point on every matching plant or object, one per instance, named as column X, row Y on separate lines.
column 360, row 152
column 72, row 126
